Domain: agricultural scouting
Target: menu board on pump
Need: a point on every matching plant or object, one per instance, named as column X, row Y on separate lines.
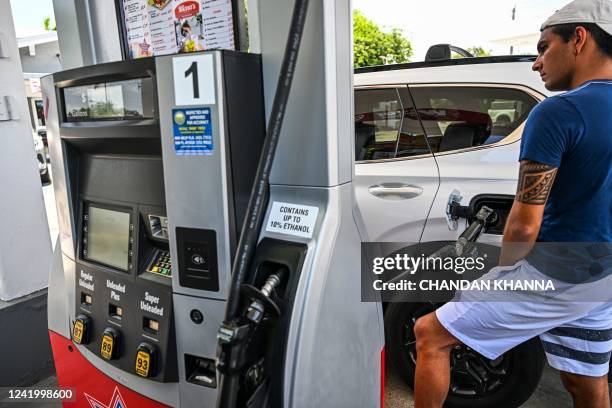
column 160, row 27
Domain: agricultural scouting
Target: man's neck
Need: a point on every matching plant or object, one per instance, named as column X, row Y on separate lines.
column 600, row 69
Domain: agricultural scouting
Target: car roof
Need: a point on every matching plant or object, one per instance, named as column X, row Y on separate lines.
column 490, row 70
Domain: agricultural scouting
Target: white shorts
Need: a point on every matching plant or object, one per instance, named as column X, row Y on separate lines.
column 576, row 335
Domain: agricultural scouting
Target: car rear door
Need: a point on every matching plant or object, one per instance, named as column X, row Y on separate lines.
column 476, row 146
column 396, row 177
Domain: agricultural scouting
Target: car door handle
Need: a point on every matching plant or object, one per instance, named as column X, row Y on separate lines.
column 395, row 191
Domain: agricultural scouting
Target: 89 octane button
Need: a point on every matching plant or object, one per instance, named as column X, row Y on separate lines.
column 110, row 344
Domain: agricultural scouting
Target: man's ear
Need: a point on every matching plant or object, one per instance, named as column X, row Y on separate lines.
column 580, row 36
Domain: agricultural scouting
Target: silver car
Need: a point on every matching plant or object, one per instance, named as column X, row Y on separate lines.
column 434, row 142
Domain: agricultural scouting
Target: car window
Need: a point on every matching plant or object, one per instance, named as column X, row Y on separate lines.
column 462, row 117
column 412, row 140
column 378, row 118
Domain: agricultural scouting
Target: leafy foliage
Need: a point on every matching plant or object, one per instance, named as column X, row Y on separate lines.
column 479, row 52
column 47, row 24
column 372, row 46
column 475, row 51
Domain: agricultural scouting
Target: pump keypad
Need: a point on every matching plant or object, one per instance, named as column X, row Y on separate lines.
column 161, row 264
column 122, row 316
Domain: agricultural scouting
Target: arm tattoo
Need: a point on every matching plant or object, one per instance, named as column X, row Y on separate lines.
column 535, row 182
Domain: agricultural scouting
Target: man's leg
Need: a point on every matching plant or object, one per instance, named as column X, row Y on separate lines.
column 434, row 344
column 587, row 392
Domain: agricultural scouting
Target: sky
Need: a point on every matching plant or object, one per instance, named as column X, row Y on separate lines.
column 464, row 23
column 28, row 15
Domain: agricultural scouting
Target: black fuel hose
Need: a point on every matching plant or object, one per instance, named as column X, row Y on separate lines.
column 258, row 201
column 260, row 193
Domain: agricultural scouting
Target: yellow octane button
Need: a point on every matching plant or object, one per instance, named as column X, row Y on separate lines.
column 109, row 344
column 80, row 330
column 143, row 363
column 106, row 349
column 77, row 333
column 146, row 360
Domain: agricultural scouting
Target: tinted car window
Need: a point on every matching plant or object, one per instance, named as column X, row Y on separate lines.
column 378, row 118
column 412, row 140
column 462, row 117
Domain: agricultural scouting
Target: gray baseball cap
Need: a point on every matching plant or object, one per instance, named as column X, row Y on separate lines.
column 584, row 11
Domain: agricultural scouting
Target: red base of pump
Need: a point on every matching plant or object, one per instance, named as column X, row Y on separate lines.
column 93, row 388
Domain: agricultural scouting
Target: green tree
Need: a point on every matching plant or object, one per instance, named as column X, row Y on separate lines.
column 47, row 24
column 372, row 46
column 475, row 51
column 479, row 51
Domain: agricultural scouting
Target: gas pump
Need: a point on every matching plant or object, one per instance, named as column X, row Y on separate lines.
column 151, row 187
column 153, row 163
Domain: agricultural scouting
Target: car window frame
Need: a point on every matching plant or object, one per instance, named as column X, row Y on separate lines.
column 397, row 87
column 513, row 137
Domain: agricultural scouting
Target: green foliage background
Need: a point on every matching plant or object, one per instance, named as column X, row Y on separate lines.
column 47, row 24
column 375, row 47
column 479, row 51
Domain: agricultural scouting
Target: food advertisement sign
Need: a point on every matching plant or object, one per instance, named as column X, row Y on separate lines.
column 160, row 27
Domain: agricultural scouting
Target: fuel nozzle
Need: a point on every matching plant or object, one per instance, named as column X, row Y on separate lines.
column 485, row 216
column 261, row 301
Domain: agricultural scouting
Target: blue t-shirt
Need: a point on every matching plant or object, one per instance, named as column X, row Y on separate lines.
column 573, row 132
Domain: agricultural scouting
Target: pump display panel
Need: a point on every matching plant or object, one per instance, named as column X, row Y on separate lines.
column 118, row 100
column 108, row 237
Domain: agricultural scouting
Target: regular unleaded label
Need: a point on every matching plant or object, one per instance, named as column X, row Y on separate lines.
column 292, row 219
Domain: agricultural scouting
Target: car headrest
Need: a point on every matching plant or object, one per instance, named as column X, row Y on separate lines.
column 458, row 136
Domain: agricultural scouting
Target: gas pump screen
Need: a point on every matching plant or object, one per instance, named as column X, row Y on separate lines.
column 118, row 100
column 108, row 237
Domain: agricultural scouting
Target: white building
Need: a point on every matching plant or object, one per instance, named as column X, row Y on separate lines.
column 39, row 55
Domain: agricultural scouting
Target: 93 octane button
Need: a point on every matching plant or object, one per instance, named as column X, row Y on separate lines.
column 143, row 363
column 145, row 360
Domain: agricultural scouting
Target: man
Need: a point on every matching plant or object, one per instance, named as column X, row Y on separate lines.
column 564, row 195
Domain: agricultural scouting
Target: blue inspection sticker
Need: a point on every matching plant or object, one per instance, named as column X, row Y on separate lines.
column 192, row 132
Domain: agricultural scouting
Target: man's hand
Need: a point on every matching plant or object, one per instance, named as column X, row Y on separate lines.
column 523, row 223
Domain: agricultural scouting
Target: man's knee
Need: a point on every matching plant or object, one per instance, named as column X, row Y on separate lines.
column 583, row 386
column 431, row 336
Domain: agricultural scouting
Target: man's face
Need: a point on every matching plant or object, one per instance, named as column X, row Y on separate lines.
column 556, row 61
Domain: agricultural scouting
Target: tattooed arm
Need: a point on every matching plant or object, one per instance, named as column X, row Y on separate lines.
column 523, row 223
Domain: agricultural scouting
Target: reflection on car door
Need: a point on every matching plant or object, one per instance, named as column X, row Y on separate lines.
column 396, row 177
column 475, row 145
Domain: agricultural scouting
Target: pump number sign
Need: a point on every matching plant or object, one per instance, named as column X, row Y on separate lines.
column 194, row 80
column 143, row 362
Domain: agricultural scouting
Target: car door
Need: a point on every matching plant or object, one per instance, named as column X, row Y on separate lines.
column 396, row 177
column 474, row 132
